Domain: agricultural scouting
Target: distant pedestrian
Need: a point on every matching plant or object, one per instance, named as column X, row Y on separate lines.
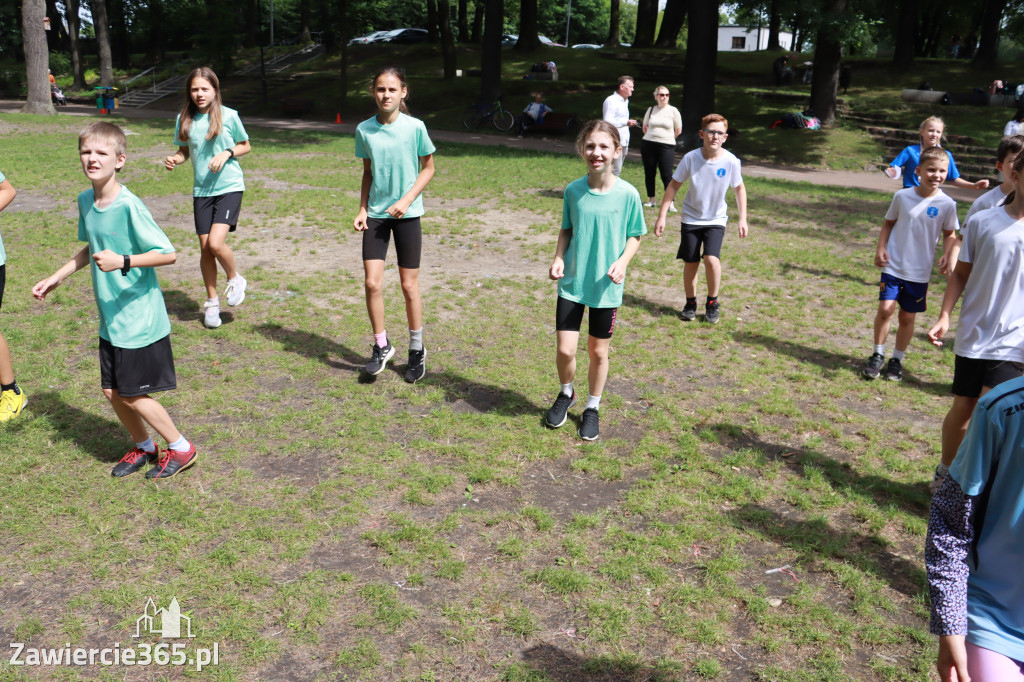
column 1015, row 124
column 616, row 112
column 931, row 132
column 662, row 125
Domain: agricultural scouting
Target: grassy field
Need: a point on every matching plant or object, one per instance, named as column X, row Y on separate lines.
column 337, row 528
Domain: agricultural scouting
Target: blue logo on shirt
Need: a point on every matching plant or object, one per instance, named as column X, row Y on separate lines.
column 932, row 212
column 720, row 172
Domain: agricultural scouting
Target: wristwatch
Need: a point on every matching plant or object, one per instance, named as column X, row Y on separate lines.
column 231, row 151
column 127, row 265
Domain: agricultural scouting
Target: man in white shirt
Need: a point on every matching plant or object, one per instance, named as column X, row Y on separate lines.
column 616, row 112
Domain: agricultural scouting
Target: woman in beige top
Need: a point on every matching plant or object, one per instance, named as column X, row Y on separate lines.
column 662, row 125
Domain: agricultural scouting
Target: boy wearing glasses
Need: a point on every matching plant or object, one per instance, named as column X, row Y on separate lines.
column 711, row 170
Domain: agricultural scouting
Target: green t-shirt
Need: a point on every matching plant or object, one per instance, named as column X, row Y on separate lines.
column 206, row 183
column 394, row 151
column 132, row 312
column 600, row 223
column 3, row 253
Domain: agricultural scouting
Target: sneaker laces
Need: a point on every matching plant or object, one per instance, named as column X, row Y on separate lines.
column 589, row 417
column 210, row 304
column 135, row 454
column 230, row 289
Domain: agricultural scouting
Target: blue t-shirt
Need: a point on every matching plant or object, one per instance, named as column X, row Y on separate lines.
column 908, row 160
column 3, row 254
column 394, row 151
column 600, row 223
column 990, row 467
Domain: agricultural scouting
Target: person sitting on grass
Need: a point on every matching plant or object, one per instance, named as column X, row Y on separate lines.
column 534, row 113
column 916, row 218
column 124, row 244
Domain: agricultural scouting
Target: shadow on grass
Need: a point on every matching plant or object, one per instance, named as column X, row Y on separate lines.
column 104, row 439
column 831, row 361
column 817, row 272
column 185, row 308
column 655, row 309
column 560, row 665
column 482, row 397
column 314, row 347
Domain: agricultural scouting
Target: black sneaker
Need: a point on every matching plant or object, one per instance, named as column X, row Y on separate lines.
column 711, row 313
column 894, row 370
column 379, row 360
column 874, row 366
column 589, row 425
column 559, row 411
column 417, row 365
column 134, row 460
column 689, row 312
column 173, row 462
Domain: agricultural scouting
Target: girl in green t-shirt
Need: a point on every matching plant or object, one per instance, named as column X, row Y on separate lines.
column 212, row 135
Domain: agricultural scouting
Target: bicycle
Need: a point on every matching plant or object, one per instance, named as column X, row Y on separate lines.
column 475, row 115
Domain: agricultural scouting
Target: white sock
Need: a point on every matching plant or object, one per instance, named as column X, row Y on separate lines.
column 593, row 402
column 880, row 349
column 148, row 445
column 180, row 445
column 899, row 354
column 567, row 389
column 214, row 300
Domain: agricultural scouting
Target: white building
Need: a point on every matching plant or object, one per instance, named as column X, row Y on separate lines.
column 746, row 39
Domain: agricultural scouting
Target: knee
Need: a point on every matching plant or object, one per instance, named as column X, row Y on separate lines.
column 411, row 289
column 374, row 285
column 566, row 353
column 110, row 394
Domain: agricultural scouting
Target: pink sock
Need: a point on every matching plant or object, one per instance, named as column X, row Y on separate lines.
column 381, row 339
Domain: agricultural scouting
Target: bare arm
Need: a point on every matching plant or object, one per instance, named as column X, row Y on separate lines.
column 177, row 158
column 557, row 268
column 967, row 184
column 7, row 194
column 881, row 253
column 741, row 205
column 398, row 209
column 949, row 245
column 666, row 201
column 364, row 197
column 43, row 287
column 617, row 272
column 240, row 149
column 108, row 261
column 954, row 287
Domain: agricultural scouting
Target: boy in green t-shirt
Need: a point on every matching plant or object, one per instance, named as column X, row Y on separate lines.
column 124, row 245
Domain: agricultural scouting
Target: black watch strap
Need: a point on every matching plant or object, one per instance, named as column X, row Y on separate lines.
column 127, row 265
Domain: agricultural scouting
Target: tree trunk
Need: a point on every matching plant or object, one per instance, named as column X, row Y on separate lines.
column 828, row 52
column 699, row 70
column 345, row 36
column 432, row 21
column 799, row 32
column 156, row 38
column 447, row 39
column 37, row 58
column 56, row 37
column 905, row 37
column 74, row 26
column 99, row 20
column 490, row 52
column 671, row 23
column 304, row 17
column 252, row 18
column 478, row 21
column 774, row 26
column 120, row 52
column 528, row 40
column 988, row 46
column 613, row 25
column 463, row 21
column 646, row 23
column 327, row 36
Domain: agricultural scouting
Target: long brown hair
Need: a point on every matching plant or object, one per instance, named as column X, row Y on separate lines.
column 189, row 111
column 400, row 75
column 597, row 126
column 1018, row 168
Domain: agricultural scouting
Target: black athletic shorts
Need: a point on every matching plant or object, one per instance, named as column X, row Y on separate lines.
column 3, row 281
column 693, row 236
column 408, row 240
column 137, row 371
column 219, row 210
column 970, row 375
column 569, row 317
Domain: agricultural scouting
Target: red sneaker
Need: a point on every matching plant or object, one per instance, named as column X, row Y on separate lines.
column 172, row 462
column 134, row 460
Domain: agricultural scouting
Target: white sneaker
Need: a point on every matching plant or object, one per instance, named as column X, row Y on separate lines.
column 235, row 292
column 211, row 314
column 672, row 208
column 649, row 204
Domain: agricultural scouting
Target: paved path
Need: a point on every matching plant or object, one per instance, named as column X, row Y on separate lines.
column 869, row 180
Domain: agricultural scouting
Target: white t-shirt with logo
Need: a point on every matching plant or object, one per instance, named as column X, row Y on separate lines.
column 993, row 197
column 920, row 223
column 709, row 179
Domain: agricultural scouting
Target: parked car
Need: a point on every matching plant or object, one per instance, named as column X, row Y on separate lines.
column 405, row 36
column 368, row 38
column 549, row 42
column 508, row 39
column 586, row 46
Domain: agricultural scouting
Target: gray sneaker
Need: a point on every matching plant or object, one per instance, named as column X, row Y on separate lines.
column 589, row 425
column 711, row 313
column 874, row 366
column 417, row 365
column 689, row 312
column 379, row 359
column 559, row 411
column 894, row 370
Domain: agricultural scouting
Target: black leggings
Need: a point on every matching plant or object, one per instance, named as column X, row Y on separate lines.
column 657, row 156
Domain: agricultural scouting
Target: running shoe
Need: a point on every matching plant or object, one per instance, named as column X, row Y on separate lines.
column 672, row 208
column 379, row 359
column 11, row 404
column 589, row 425
column 417, row 365
column 135, row 459
column 649, row 204
column 173, row 462
column 211, row 314
column 711, row 314
column 559, row 411
column 689, row 312
column 874, row 366
column 894, row 370
column 235, row 291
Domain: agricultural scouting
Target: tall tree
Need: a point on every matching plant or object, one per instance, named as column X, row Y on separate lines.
column 988, row 46
column 74, row 26
column 464, row 21
column 478, row 21
column 447, row 38
column 37, row 58
column 119, row 47
column 828, row 50
column 305, row 13
column 528, row 38
column 646, row 23
column 490, row 52
column 57, row 36
column 905, row 37
column 432, row 20
column 613, row 25
column 102, row 26
column 699, row 70
column 671, row 23
column 774, row 26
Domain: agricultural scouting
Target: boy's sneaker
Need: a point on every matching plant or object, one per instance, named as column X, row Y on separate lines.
column 379, row 359
column 874, row 366
column 11, row 404
column 560, row 410
column 589, row 425
column 711, row 313
column 417, row 365
column 689, row 312
column 135, row 459
column 894, row 370
column 211, row 314
column 173, row 462
column 235, row 292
